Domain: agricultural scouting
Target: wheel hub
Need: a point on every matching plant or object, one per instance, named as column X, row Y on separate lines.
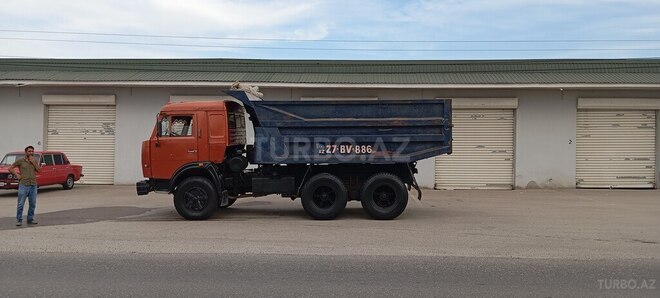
column 384, row 196
column 196, row 199
column 324, row 197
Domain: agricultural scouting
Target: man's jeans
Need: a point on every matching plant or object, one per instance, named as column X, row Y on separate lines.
column 26, row 191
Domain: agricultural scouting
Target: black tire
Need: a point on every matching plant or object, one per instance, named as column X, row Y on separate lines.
column 230, row 201
column 196, row 198
column 70, row 181
column 384, row 196
column 324, row 196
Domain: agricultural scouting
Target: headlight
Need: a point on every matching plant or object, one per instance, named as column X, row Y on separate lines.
column 10, row 176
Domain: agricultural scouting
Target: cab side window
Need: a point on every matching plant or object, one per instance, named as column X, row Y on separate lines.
column 58, row 159
column 48, row 159
column 181, row 126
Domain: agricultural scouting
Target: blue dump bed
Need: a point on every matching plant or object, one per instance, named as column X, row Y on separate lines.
column 348, row 131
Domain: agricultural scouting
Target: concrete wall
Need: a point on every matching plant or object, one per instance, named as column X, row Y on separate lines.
column 21, row 119
column 136, row 117
column 546, row 132
column 544, row 141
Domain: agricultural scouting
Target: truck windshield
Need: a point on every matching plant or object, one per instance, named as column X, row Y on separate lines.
column 13, row 157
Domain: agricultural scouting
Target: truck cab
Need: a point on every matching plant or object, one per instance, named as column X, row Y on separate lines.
column 189, row 132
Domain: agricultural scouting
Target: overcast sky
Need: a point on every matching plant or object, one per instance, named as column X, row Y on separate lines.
column 320, row 29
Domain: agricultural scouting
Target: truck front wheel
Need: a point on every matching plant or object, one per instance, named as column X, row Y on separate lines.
column 324, row 196
column 196, row 198
column 384, row 196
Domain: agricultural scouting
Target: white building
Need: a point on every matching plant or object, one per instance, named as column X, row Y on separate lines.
column 518, row 123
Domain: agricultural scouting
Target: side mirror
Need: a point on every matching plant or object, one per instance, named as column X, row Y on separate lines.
column 159, row 124
column 159, row 128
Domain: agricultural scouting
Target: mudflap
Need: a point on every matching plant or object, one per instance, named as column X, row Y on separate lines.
column 413, row 170
column 224, row 198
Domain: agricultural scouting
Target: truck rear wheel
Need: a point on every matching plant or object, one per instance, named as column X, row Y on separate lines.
column 324, row 196
column 196, row 198
column 384, row 196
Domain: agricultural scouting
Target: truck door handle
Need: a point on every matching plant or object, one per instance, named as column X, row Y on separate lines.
column 192, row 151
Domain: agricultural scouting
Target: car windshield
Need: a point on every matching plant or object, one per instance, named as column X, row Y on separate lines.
column 13, row 157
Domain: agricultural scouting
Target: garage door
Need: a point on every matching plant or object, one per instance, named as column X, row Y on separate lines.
column 616, row 149
column 482, row 155
column 86, row 133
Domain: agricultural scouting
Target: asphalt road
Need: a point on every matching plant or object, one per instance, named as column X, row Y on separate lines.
column 213, row 275
column 105, row 241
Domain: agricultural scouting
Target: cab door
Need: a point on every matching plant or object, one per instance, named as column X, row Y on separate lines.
column 176, row 145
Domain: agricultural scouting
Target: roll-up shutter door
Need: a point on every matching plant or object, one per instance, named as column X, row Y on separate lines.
column 482, row 155
column 615, row 149
column 86, row 133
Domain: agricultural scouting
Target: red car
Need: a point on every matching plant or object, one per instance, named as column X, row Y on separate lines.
column 55, row 169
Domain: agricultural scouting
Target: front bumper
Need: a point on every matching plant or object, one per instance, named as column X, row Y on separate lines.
column 8, row 184
column 143, row 187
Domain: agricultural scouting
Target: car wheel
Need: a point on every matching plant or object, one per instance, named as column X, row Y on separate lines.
column 196, row 198
column 68, row 184
column 324, row 196
column 384, row 196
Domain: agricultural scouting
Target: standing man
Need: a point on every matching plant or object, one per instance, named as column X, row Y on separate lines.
column 27, row 185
